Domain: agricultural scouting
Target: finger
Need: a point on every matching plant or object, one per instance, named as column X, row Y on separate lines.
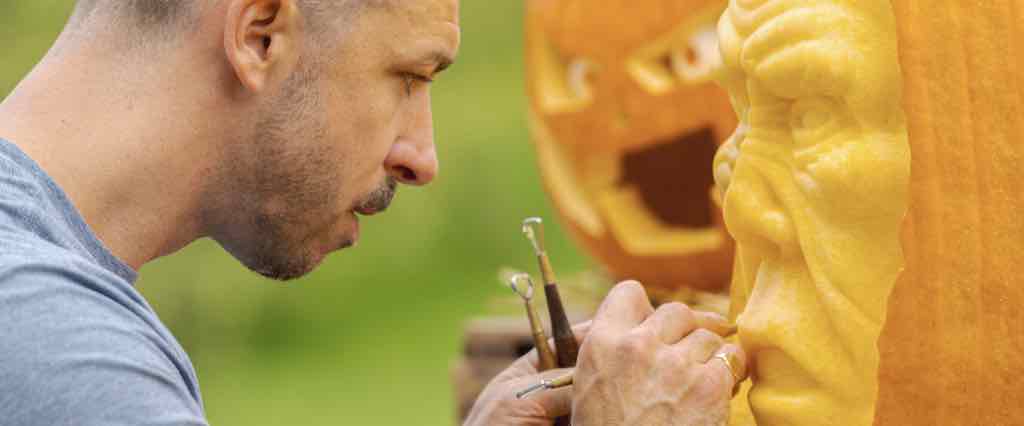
column 625, row 307
column 531, row 361
column 555, row 402
column 714, row 322
column 671, row 322
column 731, row 362
column 699, row 346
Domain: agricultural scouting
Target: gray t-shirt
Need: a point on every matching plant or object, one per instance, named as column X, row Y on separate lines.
column 78, row 344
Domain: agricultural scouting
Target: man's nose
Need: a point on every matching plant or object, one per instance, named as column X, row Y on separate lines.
column 413, row 158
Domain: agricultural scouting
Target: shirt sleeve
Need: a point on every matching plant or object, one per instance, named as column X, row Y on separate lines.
column 72, row 352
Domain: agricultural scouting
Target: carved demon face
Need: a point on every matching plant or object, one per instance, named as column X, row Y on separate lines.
column 816, row 183
column 626, row 118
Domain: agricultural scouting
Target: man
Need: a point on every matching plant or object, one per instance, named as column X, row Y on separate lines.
column 269, row 126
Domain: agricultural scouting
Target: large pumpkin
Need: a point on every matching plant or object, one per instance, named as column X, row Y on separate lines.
column 626, row 119
column 871, row 189
column 952, row 346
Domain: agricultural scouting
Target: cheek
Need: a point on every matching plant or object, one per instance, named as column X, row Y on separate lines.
column 359, row 127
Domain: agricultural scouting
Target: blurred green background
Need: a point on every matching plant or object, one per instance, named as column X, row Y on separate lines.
column 369, row 338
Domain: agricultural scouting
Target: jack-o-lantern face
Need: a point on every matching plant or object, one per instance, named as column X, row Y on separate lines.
column 626, row 118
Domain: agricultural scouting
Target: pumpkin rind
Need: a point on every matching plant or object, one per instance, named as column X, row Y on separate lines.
column 952, row 346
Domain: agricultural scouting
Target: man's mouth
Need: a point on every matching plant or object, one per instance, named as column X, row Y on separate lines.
column 378, row 200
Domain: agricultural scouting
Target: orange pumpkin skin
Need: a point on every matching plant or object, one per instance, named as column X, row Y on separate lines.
column 952, row 346
column 626, row 118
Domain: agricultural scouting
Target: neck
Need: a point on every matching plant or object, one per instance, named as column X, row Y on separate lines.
column 117, row 138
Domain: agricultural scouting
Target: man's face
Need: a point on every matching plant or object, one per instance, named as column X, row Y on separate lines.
column 815, row 182
column 335, row 139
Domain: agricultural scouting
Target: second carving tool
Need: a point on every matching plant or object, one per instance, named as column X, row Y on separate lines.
column 557, row 383
column 566, row 346
column 546, row 358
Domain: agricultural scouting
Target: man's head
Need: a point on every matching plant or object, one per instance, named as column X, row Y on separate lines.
column 322, row 107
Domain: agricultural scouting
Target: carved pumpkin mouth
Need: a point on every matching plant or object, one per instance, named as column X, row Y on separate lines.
column 668, row 171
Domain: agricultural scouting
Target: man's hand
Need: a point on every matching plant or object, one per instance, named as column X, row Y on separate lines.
column 498, row 406
column 639, row 366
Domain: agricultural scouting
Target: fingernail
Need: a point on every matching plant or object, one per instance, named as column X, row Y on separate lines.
column 730, row 327
column 731, row 330
column 717, row 317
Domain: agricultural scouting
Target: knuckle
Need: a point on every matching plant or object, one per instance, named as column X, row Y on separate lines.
column 642, row 334
column 677, row 310
column 705, row 336
column 633, row 291
column 631, row 286
column 601, row 340
column 638, row 341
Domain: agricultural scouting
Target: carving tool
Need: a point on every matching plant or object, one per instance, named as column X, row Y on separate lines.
column 546, row 358
column 560, row 382
column 566, row 346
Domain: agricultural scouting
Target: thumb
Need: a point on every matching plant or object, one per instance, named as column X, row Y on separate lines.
column 555, row 402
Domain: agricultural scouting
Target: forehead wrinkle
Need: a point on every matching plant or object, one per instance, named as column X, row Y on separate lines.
column 730, row 43
column 808, row 42
column 748, row 15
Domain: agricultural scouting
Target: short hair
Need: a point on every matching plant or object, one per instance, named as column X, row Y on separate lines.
column 157, row 16
column 166, row 18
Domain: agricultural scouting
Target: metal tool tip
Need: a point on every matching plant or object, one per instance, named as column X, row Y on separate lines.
column 514, row 281
column 533, row 227
column 531, row 390
column 532, row 221
column 506, row 273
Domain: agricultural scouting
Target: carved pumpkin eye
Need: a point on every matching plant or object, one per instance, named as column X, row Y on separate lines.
column 562, row 84
column 687, row 56
column 813, row 120
column 696, row 61
column 577, row 78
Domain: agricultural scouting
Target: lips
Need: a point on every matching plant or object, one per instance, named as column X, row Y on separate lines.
column 378, row 200
column 369, row 210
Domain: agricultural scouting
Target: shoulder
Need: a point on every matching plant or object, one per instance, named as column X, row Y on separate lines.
column 79, row 346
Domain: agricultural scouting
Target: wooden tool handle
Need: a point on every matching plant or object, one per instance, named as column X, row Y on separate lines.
column 566, row 346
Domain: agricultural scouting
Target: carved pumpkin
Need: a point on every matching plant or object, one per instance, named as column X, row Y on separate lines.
column 626, row 119
column 872, row 189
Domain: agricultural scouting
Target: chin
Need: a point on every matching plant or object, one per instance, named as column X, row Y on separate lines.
column 285, row 265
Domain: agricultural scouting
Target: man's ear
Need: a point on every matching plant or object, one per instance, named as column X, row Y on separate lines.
column 262, row 40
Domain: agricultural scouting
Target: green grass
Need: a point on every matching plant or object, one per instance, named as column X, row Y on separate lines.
column 369, row 337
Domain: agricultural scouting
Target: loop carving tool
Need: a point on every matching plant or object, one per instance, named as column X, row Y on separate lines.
column 546, row 358
column 566, row 346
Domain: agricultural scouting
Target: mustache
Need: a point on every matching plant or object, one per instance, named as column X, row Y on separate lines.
column 380, row 198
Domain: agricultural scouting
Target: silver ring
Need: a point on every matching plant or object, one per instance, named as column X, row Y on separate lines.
column 727, row 359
